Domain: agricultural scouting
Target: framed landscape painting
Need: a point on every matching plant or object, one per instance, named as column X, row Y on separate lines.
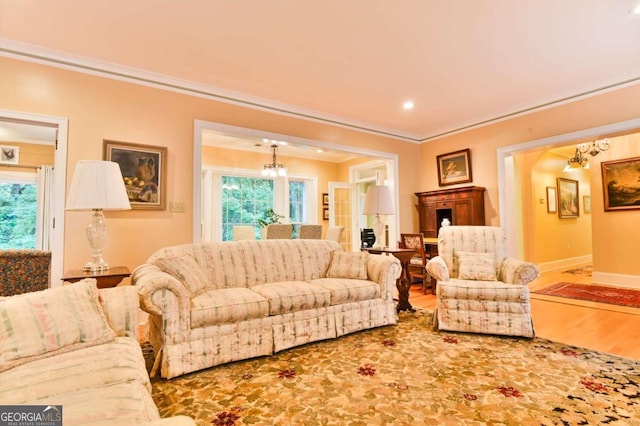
column 621, row 184
column 568, row 198
column 454, row 167
column 143, row 169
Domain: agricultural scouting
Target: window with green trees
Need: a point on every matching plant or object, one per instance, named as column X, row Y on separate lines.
column 18, row 211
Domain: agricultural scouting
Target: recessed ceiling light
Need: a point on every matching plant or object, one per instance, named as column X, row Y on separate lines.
column 636, row 10
column 319, row 150
column 407, row 105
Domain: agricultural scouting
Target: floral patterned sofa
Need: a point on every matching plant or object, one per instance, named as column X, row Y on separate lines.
column 479, row 288
column 214, row 303
column 76, row 346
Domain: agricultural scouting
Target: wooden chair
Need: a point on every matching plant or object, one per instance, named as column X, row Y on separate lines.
column 279, row 231
column 334, row 233
column 241, row 232
column 310, row 232
column 418, row 264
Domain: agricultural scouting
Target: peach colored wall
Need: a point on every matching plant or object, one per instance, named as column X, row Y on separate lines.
column 100, row 108
column 616, row 234
column 325, row 171
column 549, row 237
column 608, row 108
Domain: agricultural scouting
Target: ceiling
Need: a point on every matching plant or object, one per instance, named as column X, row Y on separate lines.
column 353, row 63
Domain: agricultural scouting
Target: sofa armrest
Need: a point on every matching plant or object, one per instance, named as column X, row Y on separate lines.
column 437, row 268
column 384, row 270
column 519, row 272
column 163, row 295
column 122, row 306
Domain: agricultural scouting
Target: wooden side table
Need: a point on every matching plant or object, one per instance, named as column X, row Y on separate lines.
column 403, row 284
column 105, row 279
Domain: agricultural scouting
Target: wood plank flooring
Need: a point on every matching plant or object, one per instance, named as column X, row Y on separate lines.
column 598, row 326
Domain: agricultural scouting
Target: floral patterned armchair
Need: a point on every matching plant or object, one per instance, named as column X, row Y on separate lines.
column 480, row 289
column 23, row 271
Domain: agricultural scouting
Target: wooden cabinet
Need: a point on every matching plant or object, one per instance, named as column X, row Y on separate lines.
column 462, row 206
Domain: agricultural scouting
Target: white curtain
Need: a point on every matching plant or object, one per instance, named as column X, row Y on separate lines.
column 44, row 176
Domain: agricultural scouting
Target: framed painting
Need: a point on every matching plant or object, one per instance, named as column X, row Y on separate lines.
column 621, row 184
column 568, row 198
column 454, row 167
column 325, row 213
column 586, row 203
column 325, row 199
column 143, row 169
column 552, row 200
column 9, row 155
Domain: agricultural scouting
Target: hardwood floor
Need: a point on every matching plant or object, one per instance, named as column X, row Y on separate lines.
column 598, row 326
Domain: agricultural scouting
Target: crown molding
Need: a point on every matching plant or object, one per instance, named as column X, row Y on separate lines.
column 31, row 53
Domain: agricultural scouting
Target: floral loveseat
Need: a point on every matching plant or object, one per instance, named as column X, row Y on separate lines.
column 76, row 346
column 213, row 303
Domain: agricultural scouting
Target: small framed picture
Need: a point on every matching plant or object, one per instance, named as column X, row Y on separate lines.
column 9, row 154
column 325, row 199
column 552, row 206
column 144, row 169
column 325, row 213
column 454, row 167
column 586, row 202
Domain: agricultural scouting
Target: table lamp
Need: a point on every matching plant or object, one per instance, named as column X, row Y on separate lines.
column 97, row 185
column 378, row 201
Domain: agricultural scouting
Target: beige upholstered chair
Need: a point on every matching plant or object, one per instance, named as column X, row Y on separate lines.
column 418, row 263
column 242, row 232
column 480, row 289
column 279, row 231
column 334, row 233
column 310, row 232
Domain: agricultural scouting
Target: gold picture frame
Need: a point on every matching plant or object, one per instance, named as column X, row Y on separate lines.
column 620, row 184
column 143, row 169
column 454, row 167
column 568, row 198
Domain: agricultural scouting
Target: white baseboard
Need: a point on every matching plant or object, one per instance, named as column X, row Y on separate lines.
column 569, row 262
column 617, row 280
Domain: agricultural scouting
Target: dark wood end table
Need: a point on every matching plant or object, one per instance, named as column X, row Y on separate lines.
column 403, row 284
column 105, row 279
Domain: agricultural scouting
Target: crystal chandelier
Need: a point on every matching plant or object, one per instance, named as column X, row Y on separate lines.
column 579, row 160
column 274, row 168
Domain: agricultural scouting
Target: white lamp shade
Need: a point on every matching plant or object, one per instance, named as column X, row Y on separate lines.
column 97, row 185
column 378, row 200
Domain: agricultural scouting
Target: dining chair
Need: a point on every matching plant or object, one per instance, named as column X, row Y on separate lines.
column 418, row 263
column 310, row 232
column 244, row 232
column 279, row 231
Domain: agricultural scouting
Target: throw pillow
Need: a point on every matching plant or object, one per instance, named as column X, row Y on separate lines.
column 44, row 323
column 476, row 266
column 186, row 270
column 348, row 265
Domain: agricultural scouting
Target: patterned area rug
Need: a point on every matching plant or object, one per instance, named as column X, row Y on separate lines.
column 409, row 374
column 594, row 293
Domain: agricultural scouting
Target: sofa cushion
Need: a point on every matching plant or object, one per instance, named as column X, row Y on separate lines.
column 476, row 266
column 186, row 270
column 45, row 323
column 115, row 362
column 227, row 305
column 348, row 265
column 347, row 290
column 291, row 296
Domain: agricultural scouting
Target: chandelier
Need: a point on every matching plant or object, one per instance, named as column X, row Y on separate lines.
column 579, row 160
column 274, row 168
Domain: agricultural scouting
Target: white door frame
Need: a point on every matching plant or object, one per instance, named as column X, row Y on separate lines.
column 59, row 184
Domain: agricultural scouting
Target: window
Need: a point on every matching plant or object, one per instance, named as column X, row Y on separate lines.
column 18, row 210
column 233, row 197
column 244, row 201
